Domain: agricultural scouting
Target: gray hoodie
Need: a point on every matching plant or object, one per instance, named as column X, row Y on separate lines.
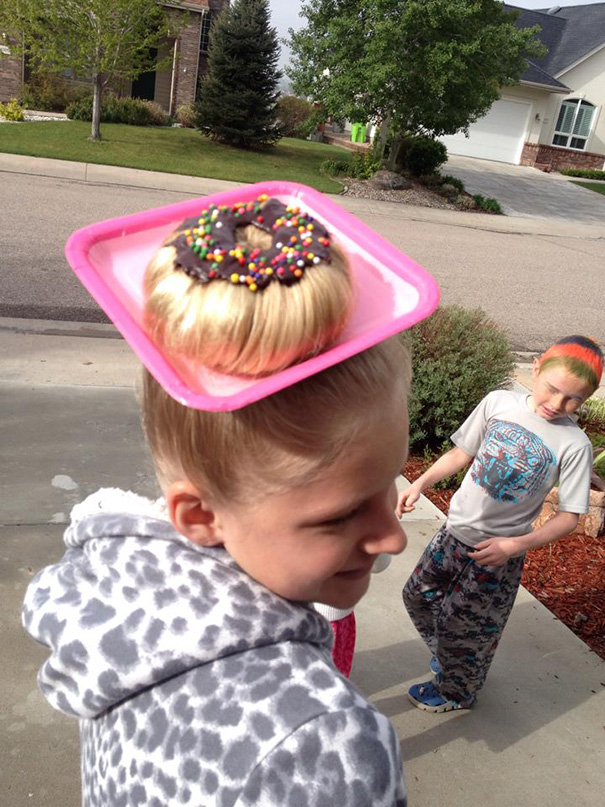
column 194, row 684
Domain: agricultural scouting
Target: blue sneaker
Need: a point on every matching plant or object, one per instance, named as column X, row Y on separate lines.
column 425, row 697
column 435, row 666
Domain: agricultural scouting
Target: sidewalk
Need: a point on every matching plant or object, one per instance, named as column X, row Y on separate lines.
column 70, row 425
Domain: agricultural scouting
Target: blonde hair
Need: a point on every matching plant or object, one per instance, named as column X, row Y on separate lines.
column 228, row 328
column 281, row 441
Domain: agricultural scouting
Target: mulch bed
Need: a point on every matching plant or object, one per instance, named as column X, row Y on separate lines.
column 568, row 577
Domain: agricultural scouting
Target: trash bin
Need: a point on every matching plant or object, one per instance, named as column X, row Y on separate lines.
column 355, row 127
column 362, row 133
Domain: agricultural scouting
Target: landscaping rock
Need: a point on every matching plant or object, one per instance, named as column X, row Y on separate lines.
column 389, row 181
column 592, row 523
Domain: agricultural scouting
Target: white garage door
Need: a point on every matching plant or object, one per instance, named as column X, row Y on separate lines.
column 500, row 135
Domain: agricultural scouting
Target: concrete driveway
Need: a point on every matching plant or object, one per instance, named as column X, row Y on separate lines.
column 527, row 192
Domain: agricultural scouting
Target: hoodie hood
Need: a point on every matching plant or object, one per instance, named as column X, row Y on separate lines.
column 133, row 603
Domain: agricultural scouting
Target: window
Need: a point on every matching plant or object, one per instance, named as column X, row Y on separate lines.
column 205, row 36
column 4, row 48
column 573, row 124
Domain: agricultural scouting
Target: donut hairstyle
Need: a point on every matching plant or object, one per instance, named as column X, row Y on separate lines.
column 578, row 355
column 248, row 289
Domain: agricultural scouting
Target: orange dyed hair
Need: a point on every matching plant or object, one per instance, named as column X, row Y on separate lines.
column 579, row 355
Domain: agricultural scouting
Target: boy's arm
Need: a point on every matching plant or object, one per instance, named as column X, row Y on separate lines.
column 450, row 463
column 497, row 551
column 348, row 756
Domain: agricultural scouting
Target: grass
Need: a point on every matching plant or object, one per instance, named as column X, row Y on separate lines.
column 175, row 151
column 592, row 186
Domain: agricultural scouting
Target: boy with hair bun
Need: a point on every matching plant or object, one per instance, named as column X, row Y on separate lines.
column 462, row 591
column 181, row 631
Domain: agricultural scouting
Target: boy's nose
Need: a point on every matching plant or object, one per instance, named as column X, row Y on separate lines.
column 557, row 402
column 388, row 536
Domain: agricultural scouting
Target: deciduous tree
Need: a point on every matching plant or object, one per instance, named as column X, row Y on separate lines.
column 105, row 41
column 428, row 65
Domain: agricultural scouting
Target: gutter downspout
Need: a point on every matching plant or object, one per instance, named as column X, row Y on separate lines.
column 173, row 77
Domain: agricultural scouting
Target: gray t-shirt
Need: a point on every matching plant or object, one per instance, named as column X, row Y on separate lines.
column 518, row 458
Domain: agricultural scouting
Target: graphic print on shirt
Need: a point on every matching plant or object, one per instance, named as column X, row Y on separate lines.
column 512, row 463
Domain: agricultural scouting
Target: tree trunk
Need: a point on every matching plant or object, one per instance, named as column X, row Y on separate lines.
column 96, row 108
column 383, row 136
column 396, row 144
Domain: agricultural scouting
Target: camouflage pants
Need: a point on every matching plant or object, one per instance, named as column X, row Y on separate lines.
column 460, row 609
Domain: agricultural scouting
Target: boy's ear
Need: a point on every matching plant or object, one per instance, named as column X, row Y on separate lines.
column 536, row 368
column 192, row 514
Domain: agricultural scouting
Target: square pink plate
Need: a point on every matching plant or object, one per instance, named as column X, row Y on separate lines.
column 110, row 257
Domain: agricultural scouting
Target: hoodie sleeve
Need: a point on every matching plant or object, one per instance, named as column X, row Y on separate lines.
column 348, row 757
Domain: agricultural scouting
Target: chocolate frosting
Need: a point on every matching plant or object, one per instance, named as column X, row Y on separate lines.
column 207, row 249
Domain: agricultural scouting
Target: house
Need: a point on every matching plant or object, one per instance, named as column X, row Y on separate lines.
column 188, row 59
column 554, row 117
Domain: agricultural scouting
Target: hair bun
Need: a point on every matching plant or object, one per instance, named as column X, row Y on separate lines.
column 207, row 247
column 303, row 282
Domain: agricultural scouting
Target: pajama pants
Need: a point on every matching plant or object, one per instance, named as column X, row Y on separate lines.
column 460, row 609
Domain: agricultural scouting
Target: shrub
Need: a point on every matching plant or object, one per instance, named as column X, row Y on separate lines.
column 458, row 355
column 294, row 116
column 488, row 204
column 423, row 155
column 12, row 111
column 364, row 165
column 587, row 173
column 133, row 111
column 158, row 116
column 335, row 168
column 186, row 115
column 448, row 179
column 49, row 93
column 432, row 181
column 592, row 414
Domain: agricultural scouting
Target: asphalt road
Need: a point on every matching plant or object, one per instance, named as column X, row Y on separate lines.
column 538, row 287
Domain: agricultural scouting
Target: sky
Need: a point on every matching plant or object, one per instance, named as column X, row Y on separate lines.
column 284, row 14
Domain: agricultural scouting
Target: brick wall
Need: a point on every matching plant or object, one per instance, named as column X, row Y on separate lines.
column 11, row 71
column 556, row 158
column 187, row 60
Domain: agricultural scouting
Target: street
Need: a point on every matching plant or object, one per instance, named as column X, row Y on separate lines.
column 538, row 285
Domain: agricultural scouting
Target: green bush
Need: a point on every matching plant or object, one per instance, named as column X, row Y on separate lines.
column 49, row 92
column 133, row 111
column 364, row 165
column 587, row 173
column 591, row 415
column 12, row 111
column 186, row 116
column 432, row 181
column 158, row 116
column 294, row 116
column 458, row 356
column 448, row 179
column 335, row 168
column 422, row 156
column 488, row 204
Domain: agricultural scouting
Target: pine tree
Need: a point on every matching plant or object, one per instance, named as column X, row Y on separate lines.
column 238, row 96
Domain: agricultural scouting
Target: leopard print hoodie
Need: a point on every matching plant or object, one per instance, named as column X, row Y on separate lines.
column 194, row 684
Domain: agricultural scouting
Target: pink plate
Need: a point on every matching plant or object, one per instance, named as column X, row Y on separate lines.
column 110, row 258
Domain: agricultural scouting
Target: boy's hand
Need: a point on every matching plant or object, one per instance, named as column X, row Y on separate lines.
column 407, row 499
column 495, row 551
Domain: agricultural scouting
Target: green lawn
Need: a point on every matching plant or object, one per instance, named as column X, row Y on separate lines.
column 592, row 186
column 176, row 151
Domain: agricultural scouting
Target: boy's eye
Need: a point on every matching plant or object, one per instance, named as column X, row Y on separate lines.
column 335, row 522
